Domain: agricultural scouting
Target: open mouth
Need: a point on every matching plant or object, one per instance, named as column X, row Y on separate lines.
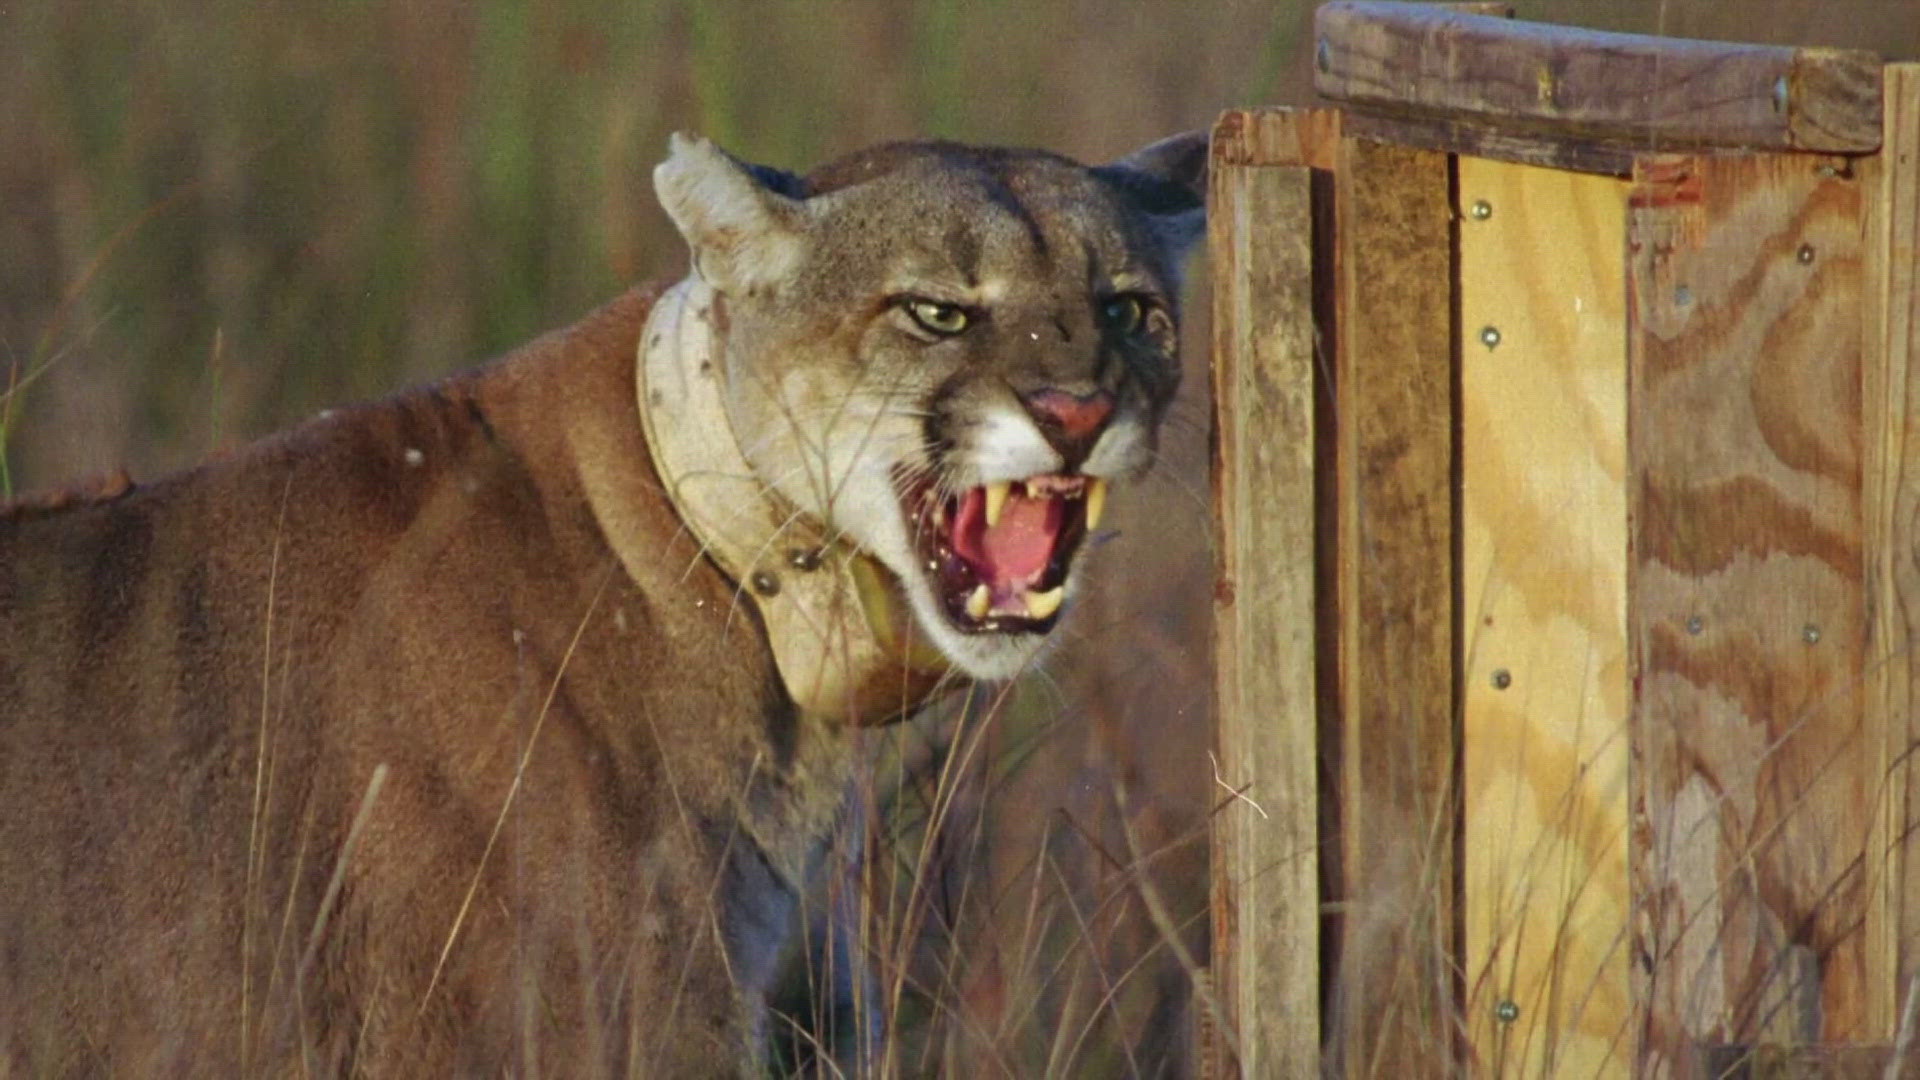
column 997, row 555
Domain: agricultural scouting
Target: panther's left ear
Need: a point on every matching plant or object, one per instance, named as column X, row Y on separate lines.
column 1167, row 181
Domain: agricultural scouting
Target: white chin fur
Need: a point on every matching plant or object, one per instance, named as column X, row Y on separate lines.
column 983, row 656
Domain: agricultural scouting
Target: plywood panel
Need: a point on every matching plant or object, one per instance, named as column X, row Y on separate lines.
column 1266, row 890
column 1396, row 1013
column 1756, row 787
column 1543, row 619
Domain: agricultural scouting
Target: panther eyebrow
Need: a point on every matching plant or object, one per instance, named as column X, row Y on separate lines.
column 964, row 247
column 1000, row 193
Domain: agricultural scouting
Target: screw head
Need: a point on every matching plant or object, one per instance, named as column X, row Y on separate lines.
column 1805, row 254
column 1810, row 634
column 1481, row 210
column 765, row 583
column 1490, row 336
column 1507, row 1011
column 1322, row 55
column 804, row 559
column 1502, row 678
column 1695, row 624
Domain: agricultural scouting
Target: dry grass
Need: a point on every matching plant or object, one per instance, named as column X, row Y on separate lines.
column 219, row 218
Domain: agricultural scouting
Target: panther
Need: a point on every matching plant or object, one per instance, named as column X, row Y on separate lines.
column 500, row 726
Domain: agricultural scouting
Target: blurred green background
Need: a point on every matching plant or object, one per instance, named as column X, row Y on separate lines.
column 219, row 216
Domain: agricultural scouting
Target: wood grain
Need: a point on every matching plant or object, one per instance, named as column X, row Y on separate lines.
column 1755, row 784
column 1471, row 139
column 1277, row 136
column 1572, row 84
column 1266, row 963
column 1892, row 421
column 1543, row 614
column 1394, row 990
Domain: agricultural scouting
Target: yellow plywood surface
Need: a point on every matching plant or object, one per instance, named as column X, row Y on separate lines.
column 1543, row 613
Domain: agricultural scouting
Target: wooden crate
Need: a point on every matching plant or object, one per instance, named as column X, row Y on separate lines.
column 1568, row 526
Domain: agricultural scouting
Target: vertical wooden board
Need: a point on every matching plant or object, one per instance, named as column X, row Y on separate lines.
column 1892, row 424
column 1543, row 619
column 1755, row 783
column 1276, row 136
column 1266, row 889
column 1394, row 1001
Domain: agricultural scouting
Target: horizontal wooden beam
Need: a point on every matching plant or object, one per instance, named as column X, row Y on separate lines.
column 1477, row 73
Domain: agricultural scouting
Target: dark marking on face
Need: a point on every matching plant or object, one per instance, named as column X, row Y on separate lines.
column 964, row 249
column 1000, row 194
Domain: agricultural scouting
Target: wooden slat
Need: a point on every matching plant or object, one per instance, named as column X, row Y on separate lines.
column 1543, row 615
column 1501, row 144
column 1892, row 445
column 1266, row 889
column 1755, row 787
column 1473, row 70
column 1277, row 136
column 1394, row 564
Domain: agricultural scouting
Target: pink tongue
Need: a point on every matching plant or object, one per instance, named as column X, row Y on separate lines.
column 1017, row 549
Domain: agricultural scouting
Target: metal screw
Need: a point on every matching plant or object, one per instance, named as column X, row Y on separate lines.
column 1507, row 1011
column 1695, row 624
column 1490, row 336
column 765, row 583
column 1502, row 678
column 1682, row 296
column 1805, row 254
column 1481, row 210
column 1780, row 95
column 803, row 559
column 1810, row 634
column 1322, row 55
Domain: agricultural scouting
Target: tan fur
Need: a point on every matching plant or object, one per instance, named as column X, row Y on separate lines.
column 420, row 740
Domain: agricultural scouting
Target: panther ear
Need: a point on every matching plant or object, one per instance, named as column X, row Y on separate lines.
column 1167, row 181
column 744, row 232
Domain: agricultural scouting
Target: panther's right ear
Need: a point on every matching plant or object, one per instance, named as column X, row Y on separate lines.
column 745, row 234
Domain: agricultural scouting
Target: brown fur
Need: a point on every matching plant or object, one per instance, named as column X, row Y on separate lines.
column 249, row 642
column 424, row 740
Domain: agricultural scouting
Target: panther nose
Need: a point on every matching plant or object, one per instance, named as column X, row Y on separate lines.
column 1070, row 422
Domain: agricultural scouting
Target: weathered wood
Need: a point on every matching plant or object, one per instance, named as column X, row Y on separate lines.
column 1892, row 446
column 1513, row 77
column 1394, row 990
column 1543, row 617
column 1754, row 782
column 1266, row 966
column 1479, row 140
column 1277, row 136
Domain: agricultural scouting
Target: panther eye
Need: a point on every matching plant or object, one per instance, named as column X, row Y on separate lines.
column 937, row 318
column 1123, row 313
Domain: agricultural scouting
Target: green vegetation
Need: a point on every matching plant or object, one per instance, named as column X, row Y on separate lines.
column 218, row 218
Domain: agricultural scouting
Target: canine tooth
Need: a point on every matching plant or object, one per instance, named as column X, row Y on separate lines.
column 1096, row 501
column 1042, row 604
column 996, row 501
column 978, row 602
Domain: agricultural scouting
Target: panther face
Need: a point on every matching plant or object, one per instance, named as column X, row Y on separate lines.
column 951, row 356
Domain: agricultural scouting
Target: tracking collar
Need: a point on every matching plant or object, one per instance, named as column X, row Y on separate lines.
column 842, row 635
